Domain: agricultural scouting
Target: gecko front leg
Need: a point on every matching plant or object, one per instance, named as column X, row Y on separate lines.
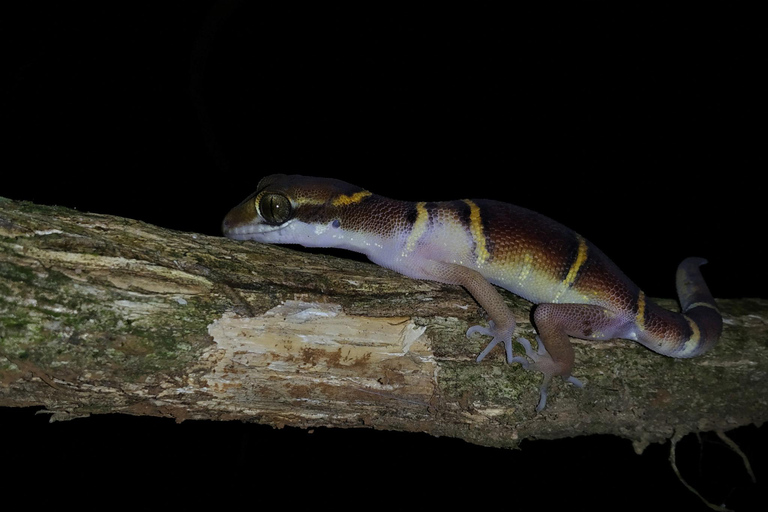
column 502, row 323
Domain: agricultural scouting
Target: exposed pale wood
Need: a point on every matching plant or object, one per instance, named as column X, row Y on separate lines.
column 104, row 314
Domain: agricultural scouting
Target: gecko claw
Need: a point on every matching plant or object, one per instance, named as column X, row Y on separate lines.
column 500, row 338
column 497, row 338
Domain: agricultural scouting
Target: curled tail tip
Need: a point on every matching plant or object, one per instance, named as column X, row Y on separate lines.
column 694, row 262
column 692, row 290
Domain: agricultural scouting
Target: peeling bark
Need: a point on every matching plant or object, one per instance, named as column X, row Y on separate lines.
column 103, row 314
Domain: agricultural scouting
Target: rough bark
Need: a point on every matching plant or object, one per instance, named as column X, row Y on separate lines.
column 104, row 314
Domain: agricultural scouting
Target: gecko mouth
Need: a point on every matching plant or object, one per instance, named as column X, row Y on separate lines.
column 249, row 231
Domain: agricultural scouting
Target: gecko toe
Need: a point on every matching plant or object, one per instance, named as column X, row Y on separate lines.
column 479, row 329
column 576, row 382
column 487, row 349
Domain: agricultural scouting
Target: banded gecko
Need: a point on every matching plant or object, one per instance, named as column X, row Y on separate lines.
column 477, row 244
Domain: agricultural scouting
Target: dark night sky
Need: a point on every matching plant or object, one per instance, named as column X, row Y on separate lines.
column 641, row 127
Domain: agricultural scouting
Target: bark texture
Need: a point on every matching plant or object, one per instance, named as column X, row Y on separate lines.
column 101, row 314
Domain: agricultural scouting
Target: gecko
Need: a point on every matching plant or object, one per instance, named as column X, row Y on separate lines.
column 479, row 244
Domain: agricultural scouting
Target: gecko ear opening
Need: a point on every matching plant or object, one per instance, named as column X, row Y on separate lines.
column 275, row 209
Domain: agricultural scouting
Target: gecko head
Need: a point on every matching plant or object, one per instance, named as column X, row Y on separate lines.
column 291, row 209
column 261, row 212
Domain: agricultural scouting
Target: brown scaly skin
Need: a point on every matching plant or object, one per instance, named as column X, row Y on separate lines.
column 481, row 243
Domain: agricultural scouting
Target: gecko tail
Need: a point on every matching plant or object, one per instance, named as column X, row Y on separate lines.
column 691, row 332
column 698, row 304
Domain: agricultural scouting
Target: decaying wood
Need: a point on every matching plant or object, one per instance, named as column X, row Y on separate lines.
column 104, row 314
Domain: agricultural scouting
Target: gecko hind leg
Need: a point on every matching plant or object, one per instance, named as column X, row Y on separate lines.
column 555, row 323
column 542, row 362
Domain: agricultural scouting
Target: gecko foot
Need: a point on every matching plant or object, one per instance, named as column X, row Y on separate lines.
column 498, row 337
column 543, row 362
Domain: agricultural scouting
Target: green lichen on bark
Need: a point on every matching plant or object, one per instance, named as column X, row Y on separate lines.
column 66, row 316
column 62, row 324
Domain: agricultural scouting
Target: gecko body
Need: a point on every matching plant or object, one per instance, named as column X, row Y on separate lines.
column 480, row 244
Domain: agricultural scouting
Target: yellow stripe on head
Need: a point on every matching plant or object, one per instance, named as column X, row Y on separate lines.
column 345, row 200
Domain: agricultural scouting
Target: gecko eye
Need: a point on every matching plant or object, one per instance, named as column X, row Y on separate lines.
column 275, row 208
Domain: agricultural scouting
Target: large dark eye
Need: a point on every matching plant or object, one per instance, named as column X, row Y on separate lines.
column 275, row 208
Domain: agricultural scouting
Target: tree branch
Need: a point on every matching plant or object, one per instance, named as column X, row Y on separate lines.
column 105, row 314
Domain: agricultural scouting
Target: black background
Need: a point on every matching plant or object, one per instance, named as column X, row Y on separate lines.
column 640, row 126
